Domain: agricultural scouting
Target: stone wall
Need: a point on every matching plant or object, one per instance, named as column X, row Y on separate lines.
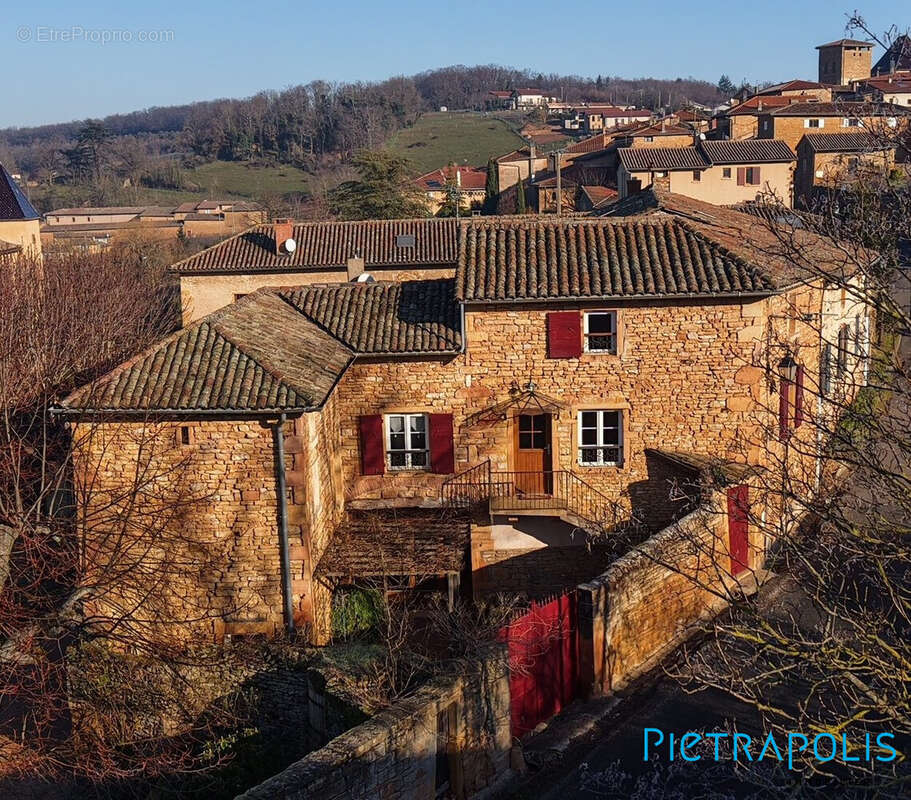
column 651, row 599
column 397, row 754
column 200, row 538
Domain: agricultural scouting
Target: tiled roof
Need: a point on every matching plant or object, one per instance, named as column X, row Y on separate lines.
column 281, row 348
column 793, row 85
column 658, row 130
column 846, row 42
column 472, row 178
column 843, row 109
column 899, row 84
column 256, row 355
column 843, row 142
column 758, row 104
column 401, row 541
column 590, row 145
column 408, row 317
column 507, row 260
column 640, row 159
column 599, row 194
column 737, row 233
column 746, row 151
column 331, row 244
column 13, row 203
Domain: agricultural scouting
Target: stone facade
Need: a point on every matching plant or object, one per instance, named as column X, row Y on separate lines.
column 219, row 558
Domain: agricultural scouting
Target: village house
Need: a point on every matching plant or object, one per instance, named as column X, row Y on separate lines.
column 894, row 89
column 742, row 120
column 439, row 186
column 599, row 118
column 96, row 227
column 500, row 99
column 559, row 379
column 829, row 160
column 724, row 172
column 286, row 253
column 792, row 122
column 520, row 165
column 528, row 98
column 19, row 221
column 844, row 61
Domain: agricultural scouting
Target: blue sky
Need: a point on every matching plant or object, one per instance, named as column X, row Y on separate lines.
column 230, row 48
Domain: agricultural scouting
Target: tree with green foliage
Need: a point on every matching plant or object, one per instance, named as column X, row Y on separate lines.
column 520, row 198
column 726, row 86
column 384, row 189
column 492, row 189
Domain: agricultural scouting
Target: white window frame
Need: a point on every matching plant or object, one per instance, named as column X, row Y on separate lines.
column 600, row 446
column 408, row 451
column 821, row 123
column 850, row 122
column 616, row 332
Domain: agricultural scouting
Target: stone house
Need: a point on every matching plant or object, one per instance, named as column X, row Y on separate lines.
column 470, row 183
column 285, row 253
column 742, row 120
column 791, row 123
column 721, row 172
column 19, row 221
column 894, row 89
column 319, row 420
column 832, row 159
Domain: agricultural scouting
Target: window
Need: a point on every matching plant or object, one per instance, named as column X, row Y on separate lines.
column 725, row 172
column 850, row 122
column 239, row 295
column 648, row 138
column 532, row 431
column 406, row 441
column 600, row 333
column 841, row 363
column 813, row 123
column 752, row 176
column 601, row 438
column 697, row 175
column 184, row 435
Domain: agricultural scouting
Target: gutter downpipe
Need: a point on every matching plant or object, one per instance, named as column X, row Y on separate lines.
column 278, row 434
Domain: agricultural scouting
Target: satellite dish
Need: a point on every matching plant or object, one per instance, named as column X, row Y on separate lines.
column 290, row 245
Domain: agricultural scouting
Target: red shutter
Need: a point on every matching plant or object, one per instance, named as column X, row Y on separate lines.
column 783, row 409
column 798, row 397
column 564, row 334
column 442, row 456
column 754, row 176
column 373, row 459
column 741, row 176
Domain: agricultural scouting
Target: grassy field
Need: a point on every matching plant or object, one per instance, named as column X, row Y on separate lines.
column 465, row 138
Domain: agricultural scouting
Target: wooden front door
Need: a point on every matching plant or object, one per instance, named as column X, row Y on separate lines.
column 739, row 527
column 533, row 462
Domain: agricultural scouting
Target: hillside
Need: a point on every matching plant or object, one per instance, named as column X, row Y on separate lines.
column 437, row 138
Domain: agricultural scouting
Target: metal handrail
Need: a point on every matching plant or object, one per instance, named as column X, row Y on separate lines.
column 534, row 491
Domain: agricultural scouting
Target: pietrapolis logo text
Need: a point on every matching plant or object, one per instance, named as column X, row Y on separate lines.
column 823, row 747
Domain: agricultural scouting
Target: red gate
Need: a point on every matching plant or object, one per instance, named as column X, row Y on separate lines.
column 543, row 661
column 739, row 527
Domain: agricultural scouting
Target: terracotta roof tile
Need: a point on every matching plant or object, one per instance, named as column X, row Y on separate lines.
column 844, row 142
column 508, row 260
column 747, row 151
column 639, row 159
column 843, row 109
column 408, row 317
column 257, row 355
column 331, row 244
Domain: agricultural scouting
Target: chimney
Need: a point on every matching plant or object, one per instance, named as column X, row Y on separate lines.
column 459, row 177
column 759, row 106
column 356, row 267
column 283, row 229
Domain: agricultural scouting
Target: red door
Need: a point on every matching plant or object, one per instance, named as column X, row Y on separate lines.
column 739, row 527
